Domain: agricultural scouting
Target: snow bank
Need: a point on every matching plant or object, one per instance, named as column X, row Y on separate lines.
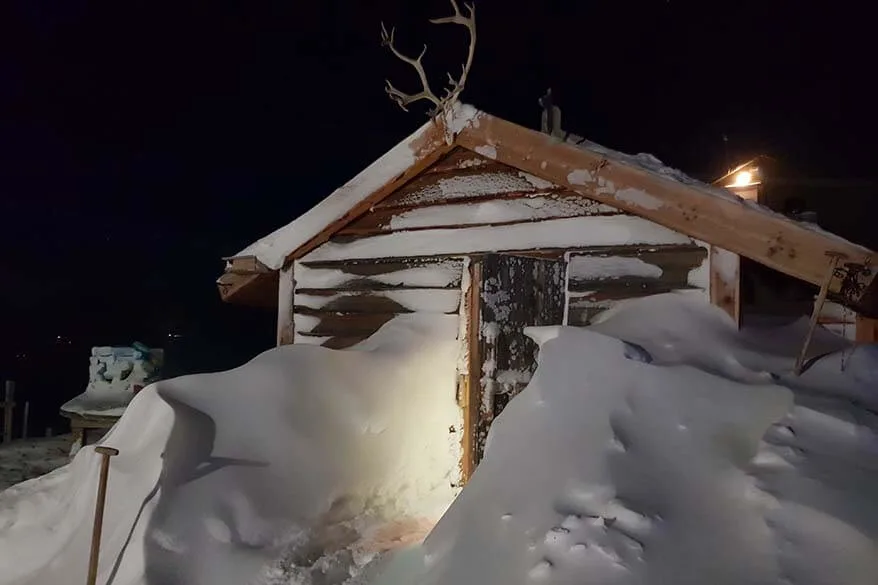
column 115, row 375
column 298, row 467
column 687, row 453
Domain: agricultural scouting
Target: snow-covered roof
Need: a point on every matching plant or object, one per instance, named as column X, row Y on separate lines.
column 638, row 184
column 273, row 249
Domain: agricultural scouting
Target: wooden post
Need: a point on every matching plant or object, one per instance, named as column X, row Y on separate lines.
column 471, row 386
column 285, row 299
column 8, row 407
column 815, row 313
column 105, row 453
column 24, row 419
column 725, row 282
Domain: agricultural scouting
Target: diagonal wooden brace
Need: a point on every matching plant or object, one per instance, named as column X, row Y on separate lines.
column 834, row 257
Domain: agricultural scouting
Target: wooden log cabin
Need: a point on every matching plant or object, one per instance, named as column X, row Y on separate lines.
column 508, row 227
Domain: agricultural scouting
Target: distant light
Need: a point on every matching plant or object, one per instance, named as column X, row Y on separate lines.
column 743, row 179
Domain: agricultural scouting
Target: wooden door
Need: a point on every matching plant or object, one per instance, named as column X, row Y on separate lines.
column 508, row 294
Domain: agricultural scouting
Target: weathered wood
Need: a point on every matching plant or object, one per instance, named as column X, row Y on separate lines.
column 8, row 410
column 255, row 290
column 506, row 209
column 331, row 342
column 105, row 453
column 330, row 324
column 409, row 300
column 772, row 240
column 285, row 325
column 676, row 263
column 461, row 158
column 380, row 274
column 725, row 282
column 818, row 308
column 471, row 403
column 488, row 180
column 569, row 233
column 515, row 293
column 621, row 289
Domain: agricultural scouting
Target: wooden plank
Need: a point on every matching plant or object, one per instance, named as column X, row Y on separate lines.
column 401, row 275
column 428, row 147
column 628, row 288
column 567, row 233
column 460, row 159
column 471, row 386
column 421, row 300
column 324, row 324
column 725, row 282
column 744, row 229
column 255, row 290
column 673, row 267
column 468, row 184
column 507, row 209
column 286, row 330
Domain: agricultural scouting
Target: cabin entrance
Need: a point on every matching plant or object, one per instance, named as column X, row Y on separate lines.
column 507, row 294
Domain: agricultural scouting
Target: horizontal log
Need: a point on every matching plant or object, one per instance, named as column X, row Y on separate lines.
column 367, row 274
column 629, row 288
column 326, row 324
column 469, row 183
column 635, row 266
column 437, row 301
column 577, row 232
column 503, row 209
column 337, row 342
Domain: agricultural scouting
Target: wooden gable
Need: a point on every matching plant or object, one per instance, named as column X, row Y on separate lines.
column 466, row 189
column 530, row 170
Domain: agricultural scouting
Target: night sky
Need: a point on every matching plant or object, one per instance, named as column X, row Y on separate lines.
column 140, row 142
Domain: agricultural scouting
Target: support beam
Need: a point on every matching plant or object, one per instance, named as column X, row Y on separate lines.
column 815, row 313
column 286, row 286
column 714, row 216
column 471, row 385
column 725, row 282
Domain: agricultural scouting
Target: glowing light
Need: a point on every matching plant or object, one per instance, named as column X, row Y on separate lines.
column 743, row 178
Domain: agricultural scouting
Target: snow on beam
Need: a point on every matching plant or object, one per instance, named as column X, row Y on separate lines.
column 714, row 216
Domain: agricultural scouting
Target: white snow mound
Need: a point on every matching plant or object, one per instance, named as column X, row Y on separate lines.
column 686, row 454
column 298, row 467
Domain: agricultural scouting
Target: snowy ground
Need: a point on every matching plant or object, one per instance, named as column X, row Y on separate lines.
column 659, row 446
column 24, row 460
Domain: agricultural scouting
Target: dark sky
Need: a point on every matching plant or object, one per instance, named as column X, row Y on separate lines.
column 142, row 141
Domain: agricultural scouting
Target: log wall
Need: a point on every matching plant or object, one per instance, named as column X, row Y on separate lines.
column 406, row 253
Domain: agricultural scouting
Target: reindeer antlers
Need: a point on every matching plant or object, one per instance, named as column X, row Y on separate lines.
column 455, row 86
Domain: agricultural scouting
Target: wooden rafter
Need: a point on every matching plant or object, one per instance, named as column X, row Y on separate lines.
column 769, row 239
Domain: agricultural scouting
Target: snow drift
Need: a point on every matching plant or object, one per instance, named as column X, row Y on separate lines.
column 659, row 446
column 300, row 466
column 686, row 453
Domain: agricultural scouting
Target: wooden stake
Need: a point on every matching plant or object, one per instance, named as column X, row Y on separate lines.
column 818, row 308
column 106, row 453
column 24, row 420
column 8, row 406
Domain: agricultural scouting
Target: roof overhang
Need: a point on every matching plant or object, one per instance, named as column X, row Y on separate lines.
column 639, row 185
